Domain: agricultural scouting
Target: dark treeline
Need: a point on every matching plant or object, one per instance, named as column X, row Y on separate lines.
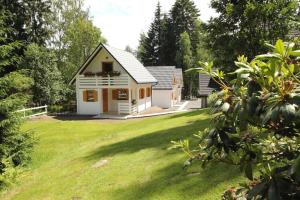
column 179, row 37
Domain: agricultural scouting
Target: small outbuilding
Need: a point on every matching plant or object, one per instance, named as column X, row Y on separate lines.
column 206, row 86
column 167, row 92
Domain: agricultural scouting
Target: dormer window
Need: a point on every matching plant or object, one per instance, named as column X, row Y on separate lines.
column 107, row 67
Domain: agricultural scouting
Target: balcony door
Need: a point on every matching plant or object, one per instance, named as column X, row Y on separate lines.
column 105, row 100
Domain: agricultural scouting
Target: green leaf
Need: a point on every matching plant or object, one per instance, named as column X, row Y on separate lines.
column 292, row 68
column 268, row 56
column 296, row 168
column 289, row 110
column 295, row 53
column 273, row 192
column 257, row 190
column 249, row 171
column 279, row 46
column 225, row 107
column 243, row 65
column 270, row 46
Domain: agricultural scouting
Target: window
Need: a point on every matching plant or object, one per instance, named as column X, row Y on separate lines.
column 142, row 93
column 148, row 92
column 107, row 67
column 90, row 96
column 120, row 94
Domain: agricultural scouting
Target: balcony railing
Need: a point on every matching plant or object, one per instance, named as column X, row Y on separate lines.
column 98, row 81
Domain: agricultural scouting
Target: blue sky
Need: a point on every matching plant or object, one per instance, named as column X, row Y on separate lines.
column 122, row 21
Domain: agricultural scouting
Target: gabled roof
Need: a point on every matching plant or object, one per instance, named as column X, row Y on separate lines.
column 126, row 60
column 164, row 75
column 207, row 85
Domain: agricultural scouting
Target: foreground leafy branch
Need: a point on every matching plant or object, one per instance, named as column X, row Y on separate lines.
column 256, row 124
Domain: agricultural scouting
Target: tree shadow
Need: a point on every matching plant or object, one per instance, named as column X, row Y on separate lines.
column 159, row 139
column 172, row 182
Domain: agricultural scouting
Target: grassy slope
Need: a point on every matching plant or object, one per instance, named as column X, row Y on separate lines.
column 140, row 166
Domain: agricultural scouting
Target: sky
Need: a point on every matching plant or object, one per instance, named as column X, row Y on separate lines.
column 122, row 21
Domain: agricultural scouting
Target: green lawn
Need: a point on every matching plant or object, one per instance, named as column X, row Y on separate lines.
column 140, row 166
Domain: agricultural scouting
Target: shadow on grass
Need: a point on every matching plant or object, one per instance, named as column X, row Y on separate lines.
column 160, row 139
column 172, row 182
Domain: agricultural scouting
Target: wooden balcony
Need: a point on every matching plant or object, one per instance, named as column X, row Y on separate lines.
column 103, row 82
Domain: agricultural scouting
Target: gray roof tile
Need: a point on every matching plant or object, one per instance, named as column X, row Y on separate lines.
column 206, row 85
column 132, row 65
column 164, row 75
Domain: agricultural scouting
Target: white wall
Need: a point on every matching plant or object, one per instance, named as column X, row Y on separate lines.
column 162, row 98
column 88, row 108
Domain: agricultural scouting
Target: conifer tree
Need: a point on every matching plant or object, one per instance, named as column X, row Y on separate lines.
column 152, row 42
column 184, row 15
column 14, row 144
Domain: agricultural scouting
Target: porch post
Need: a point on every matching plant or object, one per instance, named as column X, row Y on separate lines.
column 129, row 99
column 137, row 99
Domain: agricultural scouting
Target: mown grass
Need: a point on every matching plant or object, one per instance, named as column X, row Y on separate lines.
column 140, row 166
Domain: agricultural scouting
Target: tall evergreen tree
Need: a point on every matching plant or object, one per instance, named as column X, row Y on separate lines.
column 141, row 52
column 14, row 144
column 242, row 27
column 184, row 15
column 152, row 42
column 168, row 47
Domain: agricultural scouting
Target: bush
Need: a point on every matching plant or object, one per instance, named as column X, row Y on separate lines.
column 256, row 124
column 62, row 109
column 9, row 173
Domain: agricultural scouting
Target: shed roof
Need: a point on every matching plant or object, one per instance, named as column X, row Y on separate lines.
column 127, row 60
column 164, row 75
column 206, row 85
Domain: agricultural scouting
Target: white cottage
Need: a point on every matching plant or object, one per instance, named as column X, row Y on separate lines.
column 112, row 81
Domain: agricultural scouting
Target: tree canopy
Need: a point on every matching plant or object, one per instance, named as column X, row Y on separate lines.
column 242, row 27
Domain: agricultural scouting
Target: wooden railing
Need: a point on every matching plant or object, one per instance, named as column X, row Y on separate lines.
column 98, row 81
column 35, row 111
column 124, row 108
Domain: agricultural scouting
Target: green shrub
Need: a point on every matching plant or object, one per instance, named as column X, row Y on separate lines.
column 9, row 173
column 256, row 124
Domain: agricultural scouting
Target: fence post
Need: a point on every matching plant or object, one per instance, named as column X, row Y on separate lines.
column 46, row 109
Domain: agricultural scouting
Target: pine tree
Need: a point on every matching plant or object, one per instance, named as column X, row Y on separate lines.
column 168, row 47
column 14, row 144
column 152, row 42
column 184, row 15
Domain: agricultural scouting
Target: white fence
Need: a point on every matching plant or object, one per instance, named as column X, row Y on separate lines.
column 97, row 81
column 35, row 111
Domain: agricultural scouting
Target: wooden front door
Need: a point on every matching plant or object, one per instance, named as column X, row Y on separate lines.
column 105, row 100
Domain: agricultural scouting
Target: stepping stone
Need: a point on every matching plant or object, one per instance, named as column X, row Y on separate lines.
column 100, row 164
